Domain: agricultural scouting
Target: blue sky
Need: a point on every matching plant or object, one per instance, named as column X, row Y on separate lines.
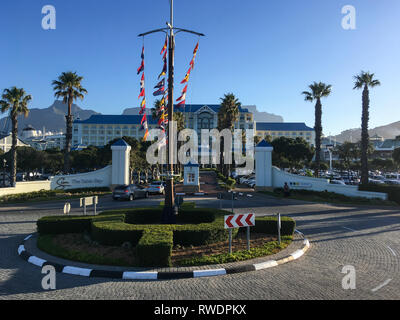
column 265, row 52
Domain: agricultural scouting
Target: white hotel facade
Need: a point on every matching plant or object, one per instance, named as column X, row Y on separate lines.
column 98, row 130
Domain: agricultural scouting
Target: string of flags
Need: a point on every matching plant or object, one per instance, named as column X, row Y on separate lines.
column 142, row 94
column 161, row 90
column 182, row 98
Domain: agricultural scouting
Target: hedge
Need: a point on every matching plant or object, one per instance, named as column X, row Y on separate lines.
column 155, row 247
column 392, row 191
column 71, row 224
column 153, row 243
column 269, row 225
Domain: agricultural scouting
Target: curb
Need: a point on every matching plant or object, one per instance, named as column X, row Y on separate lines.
column 149, row 275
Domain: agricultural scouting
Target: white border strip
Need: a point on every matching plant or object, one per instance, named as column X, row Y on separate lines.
column 28, row 237
column 265, row 265
column 20, row 249
column 297, row 254
column 36, row 261
column 208, row 273
column 77, row 271
column 140, row 275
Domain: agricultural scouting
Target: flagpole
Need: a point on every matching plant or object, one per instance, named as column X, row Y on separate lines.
column 168, row 213
column 169, row 194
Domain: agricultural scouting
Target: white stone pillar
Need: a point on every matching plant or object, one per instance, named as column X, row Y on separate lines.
column 263, row 165
column 120, row 163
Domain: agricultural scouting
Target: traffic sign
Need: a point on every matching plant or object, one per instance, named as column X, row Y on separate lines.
column 239, row 220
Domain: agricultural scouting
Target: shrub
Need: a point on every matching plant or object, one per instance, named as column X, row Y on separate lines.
column 392, row 191
column 115, row 233
column 269, row 224
column 155, row 247
column 71, row 224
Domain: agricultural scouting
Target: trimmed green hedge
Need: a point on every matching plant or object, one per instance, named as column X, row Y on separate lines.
column 72, row 224
column 392, row 191
column 153, row 242
column 269, row 225
column 155, row 247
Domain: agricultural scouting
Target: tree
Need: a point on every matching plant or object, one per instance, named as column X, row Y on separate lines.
column 291, row 153
column 365, row 80
column 318, row 91
column 396, row 156
column 15, row 101
column 69, row 88
column 228, row 114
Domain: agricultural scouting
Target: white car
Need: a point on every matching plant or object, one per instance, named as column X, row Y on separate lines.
column 156, row 187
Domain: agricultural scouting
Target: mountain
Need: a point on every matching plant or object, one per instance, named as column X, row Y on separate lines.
column 132, row 111
column 263, row 116
column 52, row 118
column 389, row 131
column 258, row 116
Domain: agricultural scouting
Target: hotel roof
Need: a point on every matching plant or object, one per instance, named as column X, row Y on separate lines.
column 282, row 126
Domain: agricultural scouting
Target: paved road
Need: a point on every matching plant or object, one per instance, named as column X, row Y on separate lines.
column 365, row 237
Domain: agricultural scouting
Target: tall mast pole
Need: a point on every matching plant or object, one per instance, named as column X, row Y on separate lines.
column 168, row 213
column 169, row 195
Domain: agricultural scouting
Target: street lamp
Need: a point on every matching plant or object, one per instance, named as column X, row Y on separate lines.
column 329, row 148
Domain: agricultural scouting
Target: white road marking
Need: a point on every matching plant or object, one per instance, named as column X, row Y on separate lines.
column 394, row 253
column 349, row 229
column 381, row 286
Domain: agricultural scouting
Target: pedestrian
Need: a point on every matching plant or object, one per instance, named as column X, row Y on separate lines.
column 286, row 190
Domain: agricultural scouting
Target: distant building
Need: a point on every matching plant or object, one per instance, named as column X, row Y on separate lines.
column 6, row 142
column 99, row 130
column 286, row 129
column 41, row 140
column 385, row 148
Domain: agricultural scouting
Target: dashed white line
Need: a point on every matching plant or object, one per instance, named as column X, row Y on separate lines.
column 381, row 286
column 394, row 253
column 349, row 229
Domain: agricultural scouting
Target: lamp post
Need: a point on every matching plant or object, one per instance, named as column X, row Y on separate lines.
column 168, row 213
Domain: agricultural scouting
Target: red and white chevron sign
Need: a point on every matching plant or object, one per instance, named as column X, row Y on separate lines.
column 240, row 220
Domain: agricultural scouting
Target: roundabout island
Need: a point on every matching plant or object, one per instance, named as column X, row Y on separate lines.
column 132, row 244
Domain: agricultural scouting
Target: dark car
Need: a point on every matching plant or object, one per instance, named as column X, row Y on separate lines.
column 130, row 192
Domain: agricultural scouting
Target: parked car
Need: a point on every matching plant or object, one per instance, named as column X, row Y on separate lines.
column 130, row 192
column 156, row 187
column 337, row 182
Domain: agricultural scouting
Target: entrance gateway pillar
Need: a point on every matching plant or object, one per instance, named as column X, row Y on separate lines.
column 120, row 163
column 263, row 166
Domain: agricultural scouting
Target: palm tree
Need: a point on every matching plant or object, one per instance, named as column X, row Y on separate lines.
column 318, row 91
column 69, row 88
column 16, row 102
column 365, row 80
column 228, row 114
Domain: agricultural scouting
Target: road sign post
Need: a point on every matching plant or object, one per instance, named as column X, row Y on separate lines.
column 239, row 221
column 89, row 201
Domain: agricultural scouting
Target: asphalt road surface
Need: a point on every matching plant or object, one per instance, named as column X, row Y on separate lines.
column 366, row 238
